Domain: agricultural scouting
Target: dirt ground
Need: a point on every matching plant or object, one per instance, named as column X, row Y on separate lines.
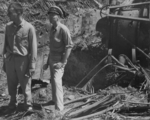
column 41, row 92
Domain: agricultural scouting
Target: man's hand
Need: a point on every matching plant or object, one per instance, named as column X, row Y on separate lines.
column 30, row 73
column 59, row 65
column 45, row 67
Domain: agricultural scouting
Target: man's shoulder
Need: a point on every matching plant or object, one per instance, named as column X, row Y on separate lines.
column 28, row 24
column 63, row 27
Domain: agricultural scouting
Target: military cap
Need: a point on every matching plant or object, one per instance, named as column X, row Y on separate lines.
column 56, row 10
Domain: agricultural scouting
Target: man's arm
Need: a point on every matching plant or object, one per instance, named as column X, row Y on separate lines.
column 68, row 45
column 4, row 50
column 5, row 41
column 32, row 47
column 66, row 55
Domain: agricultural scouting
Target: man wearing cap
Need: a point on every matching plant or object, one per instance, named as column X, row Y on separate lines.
column 60, row 49
column 20, row 54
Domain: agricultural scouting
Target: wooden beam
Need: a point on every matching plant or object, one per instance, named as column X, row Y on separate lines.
column 128, row 18
column 135, row 4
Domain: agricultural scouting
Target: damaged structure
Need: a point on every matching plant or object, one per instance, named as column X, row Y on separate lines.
column 126, row 65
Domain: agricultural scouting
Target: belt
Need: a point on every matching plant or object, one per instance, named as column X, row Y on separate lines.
column 9, row 55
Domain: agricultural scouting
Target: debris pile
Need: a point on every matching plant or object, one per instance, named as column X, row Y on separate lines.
column 114, row 102
column 128, row 102
column 117, row 102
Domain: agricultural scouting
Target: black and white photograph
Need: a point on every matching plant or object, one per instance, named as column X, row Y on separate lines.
column 74, row 59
